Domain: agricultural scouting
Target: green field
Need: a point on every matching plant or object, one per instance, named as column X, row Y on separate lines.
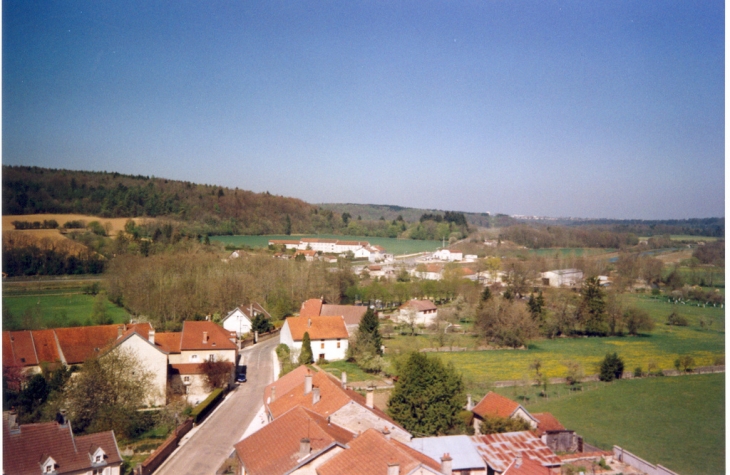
column 661, row 347
column 678, row 422
column 57, row 310
column 566, row 251
column 393, row 246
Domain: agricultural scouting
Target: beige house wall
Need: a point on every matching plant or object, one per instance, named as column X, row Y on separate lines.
column 152, row 360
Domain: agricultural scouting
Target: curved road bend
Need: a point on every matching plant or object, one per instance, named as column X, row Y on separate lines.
column 213, row 440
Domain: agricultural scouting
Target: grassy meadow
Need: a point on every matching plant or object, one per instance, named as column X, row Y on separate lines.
column 660, row 347
column 678, row 422
column 54, row 310
column 392, row 245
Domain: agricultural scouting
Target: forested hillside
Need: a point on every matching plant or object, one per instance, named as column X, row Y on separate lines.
column 220, row 210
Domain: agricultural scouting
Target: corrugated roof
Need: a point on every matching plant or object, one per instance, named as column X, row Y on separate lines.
column 527, row 466
column 319, row 328
column 274, row 449
column 499, row 450
column 463, row 453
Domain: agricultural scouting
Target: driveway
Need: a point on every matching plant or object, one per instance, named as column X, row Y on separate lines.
column 213, row 440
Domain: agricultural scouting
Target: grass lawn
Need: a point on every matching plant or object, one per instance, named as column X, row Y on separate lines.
column 354, row 373
column 59, row 310
column 393, row 246
column 678, row 422
column 661, row 347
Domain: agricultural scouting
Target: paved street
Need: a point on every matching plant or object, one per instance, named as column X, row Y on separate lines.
column 213, row 441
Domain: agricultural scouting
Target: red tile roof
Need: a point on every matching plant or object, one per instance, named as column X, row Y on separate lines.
column 319, row 328
column 23, row 452
column 22, row 350
column 371, row 453
column 45, row 346
column 216, row 337
column 169, row 342
column 311, row 308
column 186, row 368
column 286, row 383
column 80, row 343
column 499, row 450
column 419, row 305
column 546, row 422
column 351, row 313
column 495, row 405
column 527, row 466
column 274, row 449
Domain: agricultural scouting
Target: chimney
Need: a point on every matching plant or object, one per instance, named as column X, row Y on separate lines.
column 205, row 337
column 386, row 433
column 61, row 418
column 393, row 468
column 151, row 336
column 344, row 380
column 370, row 397
column 315, row 396
column 309, row 322
column 308, row 383
column 304, row 448
column 120, row 331
column 469, row 403
column 273, row 394
column 446, row 464
column 518, row 460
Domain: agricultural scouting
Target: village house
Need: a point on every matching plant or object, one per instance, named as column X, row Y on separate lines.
column 562, row 278
column 153, row 359
column 495, row 405
column 239, row 319
column 418, row 312
column 52, row 448
column 428, row 271
column 322, row 393
column 328, row 336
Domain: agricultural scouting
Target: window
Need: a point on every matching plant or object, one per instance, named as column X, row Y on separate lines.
column 211, row 358
column 193, row 357
column 97, row 459
column 49, row 468
column 338, row 343
column 186, row 379
column 321, row 345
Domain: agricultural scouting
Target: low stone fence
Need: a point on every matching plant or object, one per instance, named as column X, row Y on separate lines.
column 638, row 463
column 157, row 457
column 262, row 337
column 443, row 348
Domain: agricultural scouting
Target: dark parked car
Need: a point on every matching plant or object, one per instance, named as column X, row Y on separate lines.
column 241, row 374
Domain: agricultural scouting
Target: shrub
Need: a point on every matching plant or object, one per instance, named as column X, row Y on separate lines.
column 612, row 367
column 686, row 363
column 638, row 372
column 676, row 319
column 217, row 373
column 204, row 407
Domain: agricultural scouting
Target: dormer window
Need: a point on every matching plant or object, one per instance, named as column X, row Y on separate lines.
column 49, row 466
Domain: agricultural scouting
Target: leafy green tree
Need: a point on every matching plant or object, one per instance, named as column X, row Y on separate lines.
column 287, row 225
column 260, row 323
column 306, row 356
column 637, row 320
column 98, row 311
column 217, row 373
column 593, row 307
column 428, row 396
column 499, row 425
column 612, row 367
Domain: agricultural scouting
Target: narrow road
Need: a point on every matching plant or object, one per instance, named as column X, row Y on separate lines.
column 213, row 440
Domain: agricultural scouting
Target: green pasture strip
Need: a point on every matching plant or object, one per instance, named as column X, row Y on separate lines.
column 687, row 237
column 678, row 422
column 391, row 245
column 659, row 308
column 354, row 373
column 566, row 251
column 58, row 310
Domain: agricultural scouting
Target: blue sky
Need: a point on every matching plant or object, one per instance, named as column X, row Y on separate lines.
column 608, row 109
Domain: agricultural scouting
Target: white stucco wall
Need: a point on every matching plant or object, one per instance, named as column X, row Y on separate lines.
column 154, row 361
column 237, row 322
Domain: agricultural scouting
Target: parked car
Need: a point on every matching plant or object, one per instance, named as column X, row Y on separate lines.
column 241, row 374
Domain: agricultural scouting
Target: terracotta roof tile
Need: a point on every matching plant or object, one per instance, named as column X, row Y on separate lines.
column 494, row 404
column 319, row 328
column 169, row 342
column 186, row 368
column 22, row 348
column 371, row 453
column 216, row 337
column 311, row 308
column 274, row 449
column 45, row 346
column 546, row 422
column 527, row 466
column 34, row 443
column 351, row 313
column 80, row 343
column 286, row 383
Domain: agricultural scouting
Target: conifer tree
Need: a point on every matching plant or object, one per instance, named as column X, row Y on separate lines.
column 306, row 355
column 368, row 333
